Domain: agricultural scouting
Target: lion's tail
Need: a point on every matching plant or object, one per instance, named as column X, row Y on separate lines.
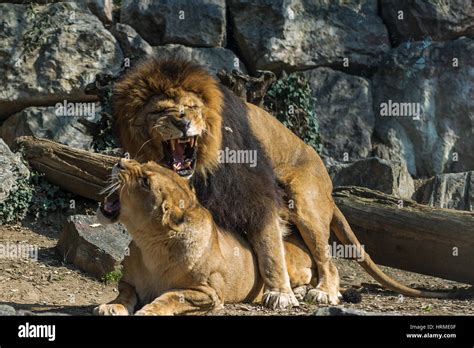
column 344, row 233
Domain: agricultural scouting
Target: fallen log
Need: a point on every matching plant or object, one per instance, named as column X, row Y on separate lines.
column 410, row 236
column 396, row 233
column 74, row 170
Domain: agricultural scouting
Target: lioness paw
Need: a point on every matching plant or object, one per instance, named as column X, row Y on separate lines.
column 111, row 309
column 300, row 292
column 151, row 309
column 320, row 296
column 279, row 300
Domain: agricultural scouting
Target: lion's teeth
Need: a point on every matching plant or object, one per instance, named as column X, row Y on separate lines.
column 191, row 142
column 173, row 144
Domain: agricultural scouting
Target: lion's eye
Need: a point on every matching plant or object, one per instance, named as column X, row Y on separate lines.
column 144, row 182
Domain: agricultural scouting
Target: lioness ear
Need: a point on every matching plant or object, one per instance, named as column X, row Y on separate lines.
column 173, row 216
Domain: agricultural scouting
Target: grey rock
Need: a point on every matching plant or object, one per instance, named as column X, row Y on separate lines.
column 425, row 74
column 213, row 59
column 40, row 2
column 376, row 174
column 23, row 312
column 7, row 310
column 302, row 34
column 343, row 107
column 12, row 169
column 385, row 152
column 441, row 20
column 198, row 23
column 341, row 311
column 450, row 191
column 132, row 44
column 96, row 250
column 102, row 9
column 43, row 122
column 52, row 57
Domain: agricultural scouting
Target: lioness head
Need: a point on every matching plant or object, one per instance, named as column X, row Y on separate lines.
column 169, row 111
column 142, row 193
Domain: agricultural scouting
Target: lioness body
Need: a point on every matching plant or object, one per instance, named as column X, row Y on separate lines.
column 180, row 262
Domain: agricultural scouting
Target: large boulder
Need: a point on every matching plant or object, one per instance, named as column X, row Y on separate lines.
column 102, row 9
column 424, row 107
column 93, row 248
column 416, row 19
column 199, row 23
column 343, row 107
column 301, row 34
column 133, row 45
column 376, row 174
column 450, row 191
column 50, row 53
column 12, row 169
column 45, row 122
column 213, row 59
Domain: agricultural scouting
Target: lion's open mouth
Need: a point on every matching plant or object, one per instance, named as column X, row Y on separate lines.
column 111, row 207
column 180, row 155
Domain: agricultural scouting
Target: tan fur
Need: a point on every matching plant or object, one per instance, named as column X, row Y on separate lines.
column 180, row 262
column 297, row 166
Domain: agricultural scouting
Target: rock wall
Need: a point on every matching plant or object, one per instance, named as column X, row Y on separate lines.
column 392, row 80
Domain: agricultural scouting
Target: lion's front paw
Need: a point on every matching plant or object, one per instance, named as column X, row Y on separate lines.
column 279, row 300
column 111, row 309
column 320, row 296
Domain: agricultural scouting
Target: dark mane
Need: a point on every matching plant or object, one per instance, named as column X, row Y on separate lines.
column 239, row 197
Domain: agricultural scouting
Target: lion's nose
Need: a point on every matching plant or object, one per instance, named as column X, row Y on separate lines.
column 183, row 124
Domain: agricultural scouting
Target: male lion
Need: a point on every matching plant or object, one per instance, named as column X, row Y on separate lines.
column 180, row 261
column 175, row 113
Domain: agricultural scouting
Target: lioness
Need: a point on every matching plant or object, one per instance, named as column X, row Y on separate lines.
column 174, row 112
column 180, row 261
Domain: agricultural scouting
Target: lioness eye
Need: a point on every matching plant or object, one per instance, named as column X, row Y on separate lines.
column 145, row 182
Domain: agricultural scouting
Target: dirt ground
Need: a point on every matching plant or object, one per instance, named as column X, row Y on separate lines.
column 52, row 285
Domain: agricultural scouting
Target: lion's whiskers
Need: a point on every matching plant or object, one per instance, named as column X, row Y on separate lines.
column 110, row 189
column 141, row 147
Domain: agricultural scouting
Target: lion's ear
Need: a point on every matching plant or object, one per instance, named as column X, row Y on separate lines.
column 173, row 216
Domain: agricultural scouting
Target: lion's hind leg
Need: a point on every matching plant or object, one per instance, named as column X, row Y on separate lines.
column 313, row 211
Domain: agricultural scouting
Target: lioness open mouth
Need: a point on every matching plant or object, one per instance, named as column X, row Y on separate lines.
column 111, row 207
column 180, row 155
